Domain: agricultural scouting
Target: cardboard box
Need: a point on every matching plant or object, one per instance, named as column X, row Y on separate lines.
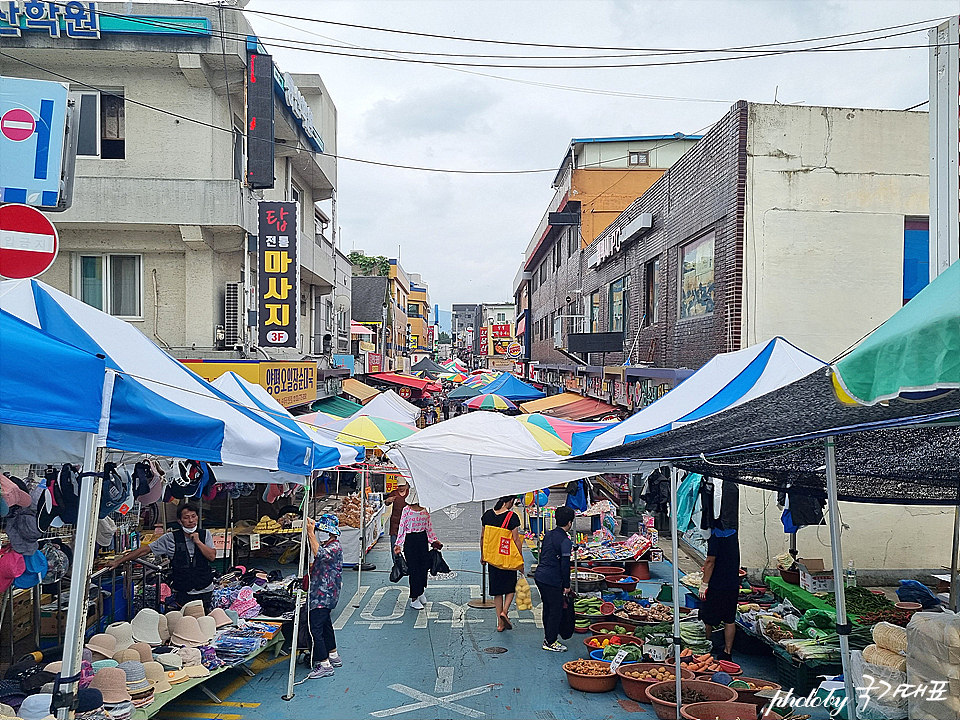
column 814, row 577
column 49, row 626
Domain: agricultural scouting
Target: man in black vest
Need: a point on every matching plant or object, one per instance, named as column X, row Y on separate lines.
column 191, row 551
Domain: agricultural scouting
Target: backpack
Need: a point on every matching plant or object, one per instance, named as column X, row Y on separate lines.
column 66, row 494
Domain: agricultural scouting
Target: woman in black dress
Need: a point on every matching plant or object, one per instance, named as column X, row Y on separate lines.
column 502, row 583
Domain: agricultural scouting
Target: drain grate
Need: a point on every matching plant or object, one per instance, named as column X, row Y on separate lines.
column 495, row 650
column 544, row 715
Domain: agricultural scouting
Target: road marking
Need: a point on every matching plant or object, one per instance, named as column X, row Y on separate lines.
column 424, row 701
column 378, row 621
column 444, row 680
column 424, row 615
column 205, row 715
column 345, row 616
column 453, row 512
column 220, row 704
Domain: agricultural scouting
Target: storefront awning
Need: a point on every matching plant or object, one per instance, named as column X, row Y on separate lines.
column 553, row 401
column 358, row 329
column 583, row 409
column 361, row 391
column 407, row 381
column 336, row 406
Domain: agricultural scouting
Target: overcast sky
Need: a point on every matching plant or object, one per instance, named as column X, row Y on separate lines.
column 465, row 234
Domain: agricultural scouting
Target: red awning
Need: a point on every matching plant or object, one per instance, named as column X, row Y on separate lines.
column 405, row 381
column 585, row 409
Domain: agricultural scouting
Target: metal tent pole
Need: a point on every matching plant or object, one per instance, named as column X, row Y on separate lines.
column 83, row 553
column 363, row 518
column 675, row 550
column 954, row 579
column 483, row 603
column 299, row 593
column 843, row 623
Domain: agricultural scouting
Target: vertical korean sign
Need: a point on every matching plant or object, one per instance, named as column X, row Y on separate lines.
column 278, row 273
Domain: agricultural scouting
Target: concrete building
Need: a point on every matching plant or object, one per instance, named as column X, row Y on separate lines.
column 399, row 331
column 163, row 228
column 418, row 316
column 496, row 334
column 804, row 222
column 465, row 321
column 371, row 304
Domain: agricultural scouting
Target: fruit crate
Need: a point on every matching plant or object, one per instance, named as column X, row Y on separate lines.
column 803, row 678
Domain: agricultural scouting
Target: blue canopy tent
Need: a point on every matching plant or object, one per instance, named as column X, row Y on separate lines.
column 512, row 388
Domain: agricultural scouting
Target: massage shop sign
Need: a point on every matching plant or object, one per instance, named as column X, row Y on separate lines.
column 278, row 275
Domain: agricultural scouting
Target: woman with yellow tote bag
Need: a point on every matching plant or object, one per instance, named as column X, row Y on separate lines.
column 501, row 552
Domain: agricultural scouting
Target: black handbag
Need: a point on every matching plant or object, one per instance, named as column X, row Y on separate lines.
column 399, row 570
column 275, row 603
column 437, row 563
column 567, row 620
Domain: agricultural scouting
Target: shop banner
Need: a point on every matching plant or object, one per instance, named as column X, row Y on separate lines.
column 501, row 331
column 374, row 362
column 501, row 347
column 278, row 274
column 290, row 383
column 430, row 336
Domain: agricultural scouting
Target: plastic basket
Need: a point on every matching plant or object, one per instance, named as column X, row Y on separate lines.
column 801, row 677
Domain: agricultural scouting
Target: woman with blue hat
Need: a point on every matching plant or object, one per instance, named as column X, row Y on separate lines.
column 324, row 592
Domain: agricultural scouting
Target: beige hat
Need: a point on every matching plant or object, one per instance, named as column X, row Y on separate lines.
column 112, row 684
column 208, row 626
column 146, row 626
column 123, row 632
column 188, row 633
column 401, row 481
column 220, row 617
column 194, row 608
column 163, row 629
column 170, row 661
column 102, row 644
column 175, row 677
column 126, row 655
column 196, row 671
column 143, row 650
column 53, row 667
column 157, row 676
column 173, row 617
column 190, row 656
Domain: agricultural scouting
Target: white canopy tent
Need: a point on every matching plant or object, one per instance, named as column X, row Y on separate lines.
column 390, row 406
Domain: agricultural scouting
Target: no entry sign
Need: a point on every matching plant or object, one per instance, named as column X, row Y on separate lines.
column 17, row 124
column 28, row 242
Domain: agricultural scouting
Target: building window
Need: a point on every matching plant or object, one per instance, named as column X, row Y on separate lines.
column 696, row 277
column 619, row 305
column 651, row 301
column 572, row 243
column 101, row 125
column 595, row 311
column 111, row 283
column 543, row 273
column 501, row 317
column 239, row 158
column 558, row 254
column 638, row 157
column 916, row 256
column 413, row 310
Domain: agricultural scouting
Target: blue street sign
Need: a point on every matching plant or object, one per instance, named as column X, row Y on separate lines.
column 33, row 116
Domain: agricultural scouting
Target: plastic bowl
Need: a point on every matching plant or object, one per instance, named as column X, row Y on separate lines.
column 633, row 640
column 908, row 606
column 608, row 570
column 600, row 627
column 668, row 710
column 750, row 696
column 715, row 710
column 622, row 583
column 635, row 688
column 598, row 655
column 591, row 683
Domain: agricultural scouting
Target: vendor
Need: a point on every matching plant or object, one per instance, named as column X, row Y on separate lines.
column 397, row 499
column 720, row 587
column 191, row 551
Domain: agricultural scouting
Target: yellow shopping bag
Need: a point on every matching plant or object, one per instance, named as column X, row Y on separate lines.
column 499, row 549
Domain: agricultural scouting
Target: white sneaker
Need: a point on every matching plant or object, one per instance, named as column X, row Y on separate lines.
column 416, row 604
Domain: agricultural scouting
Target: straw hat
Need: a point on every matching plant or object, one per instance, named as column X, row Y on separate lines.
column 143, row 650
column 53, row 667
column 196, row 671
column 175, row 677
column 173, row 617
column 146, row 626
column 188, row 633
column 170, row 661
column 163, row 629
column 194, row 608
column 102, row 644
column 112, row 683
column 190, row 656
column 208, row 627
column 123, row 632
column 126, row 655
column 220, row 618
column 7, row 710
column 156, row 676
column 36, row 707
column 99, row 665
column 136, row 676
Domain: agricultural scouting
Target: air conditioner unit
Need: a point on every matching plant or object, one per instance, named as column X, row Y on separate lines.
column 232, row 320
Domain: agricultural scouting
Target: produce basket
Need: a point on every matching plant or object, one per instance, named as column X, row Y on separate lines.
column 602, row 681
column 802, row 677
column 635, row 687
column 668, row 710
column 600, row 628
column 621, row 582
column 598, row 655
column 608, row 571
column 624, row 640
column 586, row 581
column 750, row 696
column 717, row 711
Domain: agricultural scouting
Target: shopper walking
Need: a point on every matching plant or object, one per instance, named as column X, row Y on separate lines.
column 445, row 404
column 191, row 550
column 415, row 537
column 502, row 583
column 326, row 570
column 397, row 500
column 553, row 576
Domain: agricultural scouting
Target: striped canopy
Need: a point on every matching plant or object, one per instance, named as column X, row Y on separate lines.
column 563, row 429
column 367, row 430
column 489, row 402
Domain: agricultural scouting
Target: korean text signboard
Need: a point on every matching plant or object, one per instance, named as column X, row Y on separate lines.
column 278, row 275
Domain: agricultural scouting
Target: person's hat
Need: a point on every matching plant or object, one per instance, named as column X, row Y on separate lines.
column 112, row 683
column 143, row 650
column 143, row 698
column 136, row 676
column 22, row 670
column 196, row 671
column 146, row 626
column 175, row 677
column 11, row 567
column 99, row 665
column 156, row 676
column 190, row 656
column 194, row 608
column 163, row 629
column 413, row 498
column 88, row 700
column 102, row 644
column 329, row 523
column 58, row 564
column 173, row 617
column 127, row 655
column 47, row 511
column 106, row 529
column 7, row 711
column 402, row 481
column 170, row 661
column 36, row 707
column 23, row 531
column 220, row 618
column 243, row 527
column 119, row 711
column 123, row 632
column 208, row 627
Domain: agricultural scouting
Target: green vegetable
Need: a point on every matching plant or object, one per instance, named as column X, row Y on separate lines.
column 860, row 601
column 634, row 652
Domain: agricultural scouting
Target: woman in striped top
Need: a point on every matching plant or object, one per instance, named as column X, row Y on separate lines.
column 415, row 536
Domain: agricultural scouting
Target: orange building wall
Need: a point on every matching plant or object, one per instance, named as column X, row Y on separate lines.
column 604, row 194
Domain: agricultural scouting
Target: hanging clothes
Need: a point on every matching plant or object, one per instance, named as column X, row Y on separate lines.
column 687, row 496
